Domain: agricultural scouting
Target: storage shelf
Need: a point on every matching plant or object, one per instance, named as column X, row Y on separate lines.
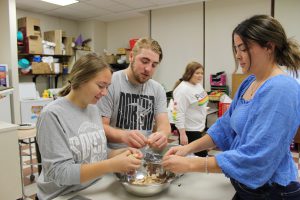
column 29, row 54
column 49, row 76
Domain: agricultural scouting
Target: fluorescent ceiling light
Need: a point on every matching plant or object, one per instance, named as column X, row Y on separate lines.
column 61, row 2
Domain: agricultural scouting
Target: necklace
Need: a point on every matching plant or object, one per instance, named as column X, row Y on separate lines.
column 255, row 87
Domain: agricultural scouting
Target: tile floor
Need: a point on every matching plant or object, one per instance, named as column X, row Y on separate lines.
column 30, row 186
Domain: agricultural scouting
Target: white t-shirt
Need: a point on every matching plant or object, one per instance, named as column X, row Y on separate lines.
column 190, row 102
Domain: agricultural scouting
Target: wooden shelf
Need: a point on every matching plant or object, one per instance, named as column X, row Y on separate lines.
column 81, row 49
column 49, row 76
column 29, row 54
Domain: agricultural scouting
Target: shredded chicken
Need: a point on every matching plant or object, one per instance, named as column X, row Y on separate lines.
column 153, row 176
column 148, row 180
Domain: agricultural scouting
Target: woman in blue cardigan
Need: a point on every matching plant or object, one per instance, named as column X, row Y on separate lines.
column 256, row 132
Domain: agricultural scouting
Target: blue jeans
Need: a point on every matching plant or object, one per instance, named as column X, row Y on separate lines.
column 266, row 192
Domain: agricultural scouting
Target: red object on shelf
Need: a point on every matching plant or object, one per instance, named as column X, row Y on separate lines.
column 223, row 107
column 132, row 43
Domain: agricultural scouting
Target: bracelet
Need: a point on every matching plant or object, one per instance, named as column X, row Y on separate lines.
column 206, row 164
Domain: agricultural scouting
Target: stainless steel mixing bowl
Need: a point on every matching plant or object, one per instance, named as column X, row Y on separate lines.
column 144, row 189
column 151, row 166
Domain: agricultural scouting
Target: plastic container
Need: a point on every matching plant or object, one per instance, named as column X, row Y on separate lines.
column 46, row 94
column 20, row 36
column 23, row 63
column 31, row 109
column 223, row 107
column 37, row 59
column 218, row 79
column 132, row 43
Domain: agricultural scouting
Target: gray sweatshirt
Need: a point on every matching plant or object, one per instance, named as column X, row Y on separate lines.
column 68, row 136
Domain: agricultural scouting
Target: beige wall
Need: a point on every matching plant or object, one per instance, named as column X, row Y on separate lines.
column 221, row 18
column 179, row 30
column 120, row 32
column 287, row 12
column 8, row 55
column 100, row 37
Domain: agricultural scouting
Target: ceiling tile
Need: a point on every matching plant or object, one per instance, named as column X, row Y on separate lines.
column 136, row 3
column 118, row 17
column 102, row 3
column 103, row 10
column 68, row 12
column 36, row 5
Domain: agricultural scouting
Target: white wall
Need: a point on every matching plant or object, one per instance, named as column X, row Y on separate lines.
column 100, row 37
column 120, row 32
column 179, row 30
column 287, row 13
column 86, row 30
column 8, row 55
column 221, row 18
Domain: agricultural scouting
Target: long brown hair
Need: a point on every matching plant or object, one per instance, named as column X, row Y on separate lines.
column 189, row 71
column 263, row 29
column 84, row 69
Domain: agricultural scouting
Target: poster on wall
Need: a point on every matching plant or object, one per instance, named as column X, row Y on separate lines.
column 4, row 75
column 4, row 81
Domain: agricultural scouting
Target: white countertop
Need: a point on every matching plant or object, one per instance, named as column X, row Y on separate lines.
column 212, row 110
column 191, row 186
column 4, row 127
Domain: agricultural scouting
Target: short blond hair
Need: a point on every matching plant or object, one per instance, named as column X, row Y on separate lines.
column 147, row 43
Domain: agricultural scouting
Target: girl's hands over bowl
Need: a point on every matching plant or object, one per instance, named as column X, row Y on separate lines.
column 177, row 150
column 126, row 161
column 177, row 164
column 136, row 153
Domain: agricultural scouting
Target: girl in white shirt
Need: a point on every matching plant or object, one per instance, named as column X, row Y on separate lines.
column 190, row 102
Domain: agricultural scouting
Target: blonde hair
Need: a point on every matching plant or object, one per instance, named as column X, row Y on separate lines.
column 147, row 43
column 84, row 69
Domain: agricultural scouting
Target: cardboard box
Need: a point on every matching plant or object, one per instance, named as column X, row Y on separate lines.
column 56, row 37
column 41, row 68
column 237, row 79
column 33, row 44
column 30, row 26
column 111, row 59
column 45, row 68
column 122, row 51
column 67, row 41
